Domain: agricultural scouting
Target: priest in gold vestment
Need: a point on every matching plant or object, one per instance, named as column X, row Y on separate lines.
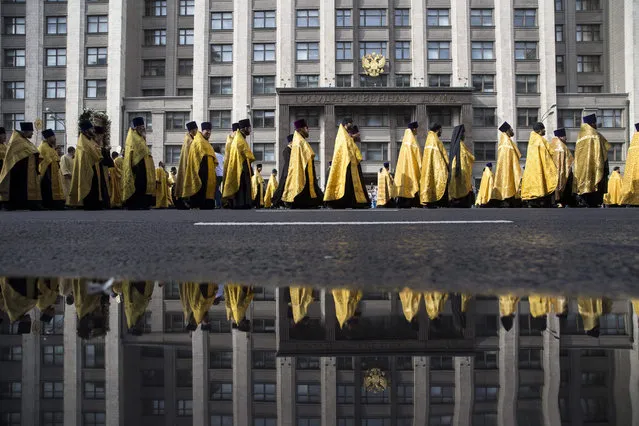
column 87, row 180
column 460, row 186
column 630, row 187
column 563, row 160
column 138, row 170
column 485, row 187
column 506, row 191
column 200, row 179
column 257, row 188
column 540, row 174
column 196, row 300
column 115, row 181
column 271, row 187
column 591, row 164
column 19, row 178
column 385, row 188
column 236, row 191
column 613, row 198
column 301, row 190
column 191, row 130
column 433, row 182
column 3, row 146
column 407, row 171
column 50, row 177
column 162, row 194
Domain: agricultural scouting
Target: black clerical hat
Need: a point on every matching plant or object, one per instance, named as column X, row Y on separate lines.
column 235, row 127
column 413, row 125
column 289, row 138
column 560, row 133
column 274, row 171
column 387, row 164
column 505, row 127
column 636, row 127
column 353, row 130
column 300, row 124
column 346, row 120
column 594, row 332
column 47, row 133
column 26, row 126
column 205, row 125
column 191, row 125
column 137, row 121
column 259, row 166
column 435, row 127
column 616, row 169
column 489, row 165
column 507, row 322
column 538, row 126
column 591, row 119
column 244, row 123
column 86, row 125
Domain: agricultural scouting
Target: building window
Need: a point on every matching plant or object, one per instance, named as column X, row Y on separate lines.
column 402, row 17
column 55, row 121
column 172, row 154
column 307, row 51
column 15, row 25
column 218, row 420
column 559, row 63
column 588, row 63
column 441, row 115
column 530, row 359
column 560, row 89
column 589, row 89
column 402, row 80
column 375, row 398
column 525, row 18
column 590, row 32
column 185, row 67
column 52, row 390
column 372, row 17
column 186, row 37
column 569, row 118
column 584, row 5
column 96, row 88
column 94, row 390
column 373, row 421
column 402, row 50
column 155, row 7
column 155, row 37
column 56, row 25
column 483, row 50
column 366, row 47
column 345, row 394
column 308, row 362
column 264, row 392
column 438, row 80
column 221, row 21
column 405, row 394
column 187, row 91
column 307, row 18
column 481, row 18
column 10, row 390
column 442, row 394
column 263, row 119
column 152, row 92
column 484, row 117
column 441, row 363
column 153, row 67
column 484, row 83
column 439, row 50
column 263, row 360
column 221, row 86
column 308, row 421
column 484, row 419
column 438, row 17
column 264, row 52
column 14, row 58
column 308, row 393
column 221, row 53
column 220, row 119
column 12, row 122
column 526, row 84
column 595, row 410
column 96, row 56
column 559, row 5
column 611, row 118
column 525, row 50
column 262, row 421
column 264, row 19
column 152, row 378
column 343, row 80
column 526, row 117
column 484, row 151
column 94, row 419
column 263, row 84
column 221, row 391
column 440, row 420
column 221, row 360
column 14, row 89
column 615, row 153
column 374, row 119
column 263, row 152
column 176, row 120
column 52, row 418
column 153, row 407
column 11, row 353
column 184, row 378
column 264, row 325
column 559, row 33
column 343, row 50
column 187, row 7
column 343, row 18
column 97, row 24
column 56, row 57
column 184, row 408
column 486, row 360
column 486, row 393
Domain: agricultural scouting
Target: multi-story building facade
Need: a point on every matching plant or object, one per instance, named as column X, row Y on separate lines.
column 476, row 62
column 280, row 375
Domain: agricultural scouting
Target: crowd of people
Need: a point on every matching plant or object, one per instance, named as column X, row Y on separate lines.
column 92, row 177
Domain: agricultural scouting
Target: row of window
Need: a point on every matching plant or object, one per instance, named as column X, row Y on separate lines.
column 56, row 25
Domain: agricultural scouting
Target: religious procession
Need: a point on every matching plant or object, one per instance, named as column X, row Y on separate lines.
column 91, row 177
column 22, row 298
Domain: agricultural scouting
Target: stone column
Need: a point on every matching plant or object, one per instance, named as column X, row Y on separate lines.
column 156, row 306
column 634, row 371
column 76, row 26
column 328, row 313
column 200, row 345
column 171, row 48
column 460, row 46
column 31, row 356
column 467, row 120
column 33, row 81
column 114, row 365
column 115, row 74
column 242, row 389
column 552, row 372
column 285, row 21
column 421, row 390
column 419, row 43
column 464, row 390
column 201, row 50
column 327, row 43
column 631, row 34
column 72, row 369
column 285, row 370
column 508, row 374
column 327, row 140
column 170, row 382
column 621, row 400
column 283, row 126
column 547, row 62
column 242, row 54
column 505, row 61
column 328, row 371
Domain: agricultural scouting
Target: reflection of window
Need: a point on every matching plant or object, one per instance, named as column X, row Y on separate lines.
column 96, row 56
column 185, row 67
column 56, row 57
column 439, row 50
column 12, row 121
column 345, row 394
column 222, row 360
column 486, row 393
column 559, row 5
column 307, row 18
column 372, row 17
column 525, row 50
column 14, row 58
column 263, row 360
column 52, row 390
column 184, row 408
column 155, row 8
column 264, row 19
column 187, row 7
column 343, row 18
column 15, row 25
column 525, row 18
column 438, row 80
column 155, row 37
column 221, row 391
column 481, row 18
column 588, row 63
column 559, row 33
column 264, row 392
column 442, row 394
column 94, row 390
column 263, row 118
column 186, row 37
column 56, row 25
column 221, row 420
column 308, row 393
column 438, row 17
column 14, row 89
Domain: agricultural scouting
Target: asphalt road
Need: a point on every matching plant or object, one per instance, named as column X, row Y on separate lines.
column 569, row 250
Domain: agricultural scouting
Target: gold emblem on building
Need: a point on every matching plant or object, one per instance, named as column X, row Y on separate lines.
column 373, row 64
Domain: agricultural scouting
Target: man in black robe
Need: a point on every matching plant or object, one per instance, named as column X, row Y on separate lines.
column 19, row 178
column 286, row 154
column 105, row 163
column 50, row 177
column 202, row 160
column 138, row 171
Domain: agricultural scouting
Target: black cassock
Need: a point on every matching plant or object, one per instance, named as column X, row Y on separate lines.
column 199, row 199
column 277, row 195
column 349, row 200
column 92, row 200
column 140, row 200
column 18, row 191
column 243, row 198
column 46, row 189
column 303, row 200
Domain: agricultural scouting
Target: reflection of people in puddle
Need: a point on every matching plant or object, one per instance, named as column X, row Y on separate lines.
column 136, row 296
column 197, row 299
column 20, row 296
column 591, row 309
column 346, row 303
column 237, row 299
column 300, row 299
column 92, row 311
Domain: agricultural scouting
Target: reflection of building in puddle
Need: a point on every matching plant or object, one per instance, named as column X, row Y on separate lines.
column 300, row 372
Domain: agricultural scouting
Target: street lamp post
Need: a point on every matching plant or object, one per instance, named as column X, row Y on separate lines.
column 59, row 121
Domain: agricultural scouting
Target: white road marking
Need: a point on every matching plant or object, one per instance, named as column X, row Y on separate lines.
column 420, row 222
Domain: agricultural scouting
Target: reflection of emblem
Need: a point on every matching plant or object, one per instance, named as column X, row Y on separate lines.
column 38, row 124
column 375, row 380
column 373, row 64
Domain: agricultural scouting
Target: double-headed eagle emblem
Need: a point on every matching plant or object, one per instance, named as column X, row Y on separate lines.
column 373, row 64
